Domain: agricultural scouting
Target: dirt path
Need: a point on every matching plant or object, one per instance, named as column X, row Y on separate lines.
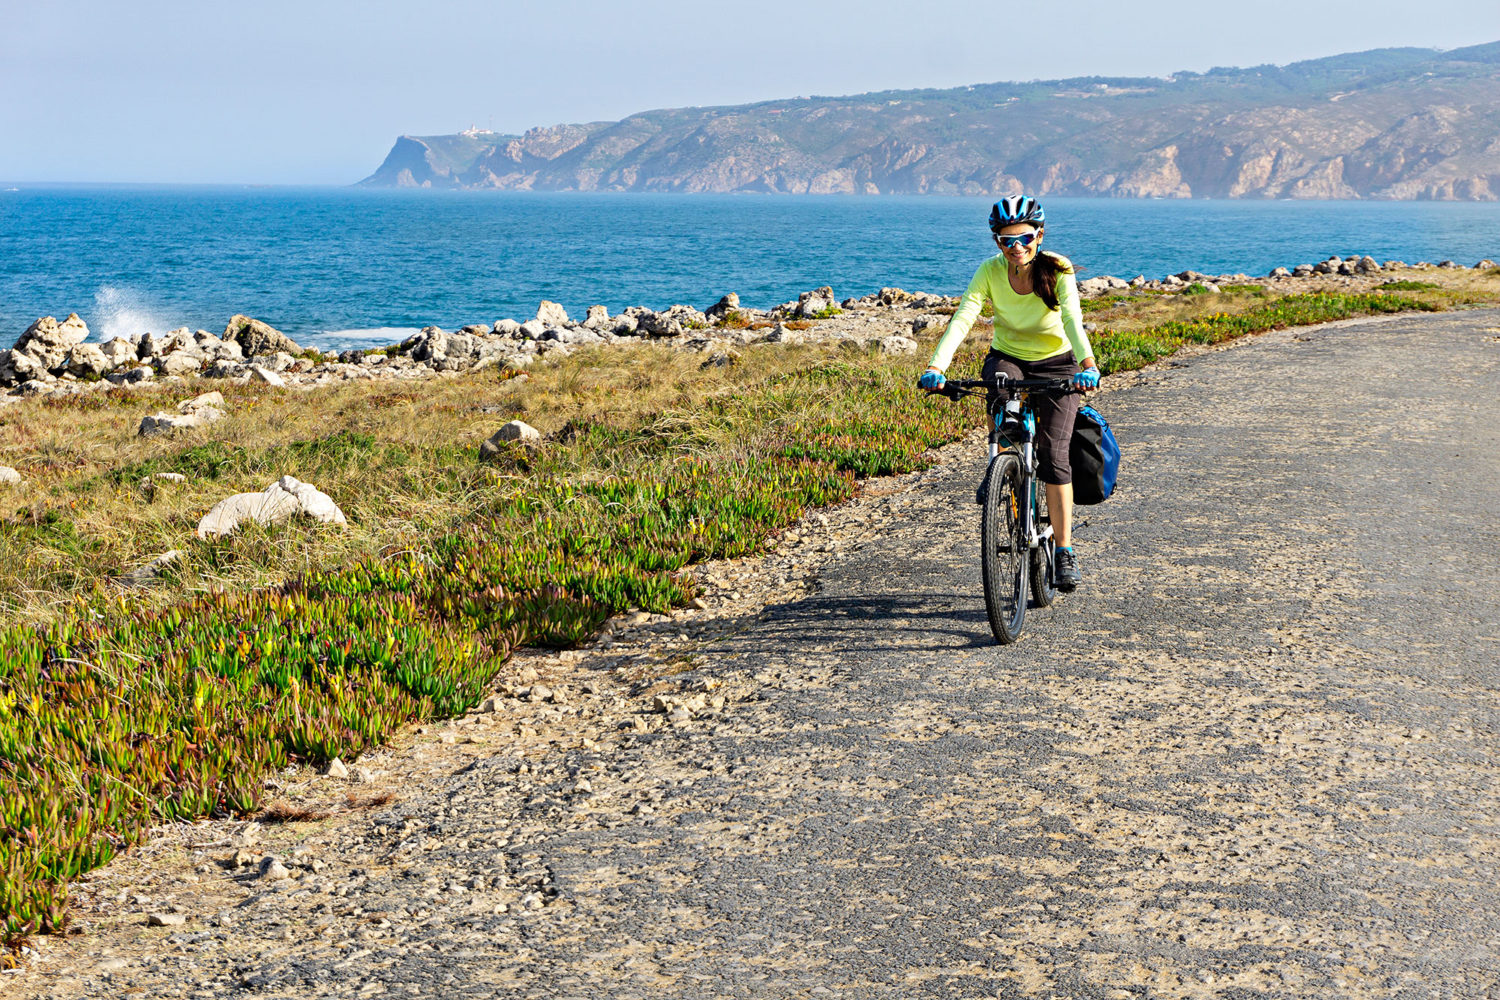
column 1256, row 756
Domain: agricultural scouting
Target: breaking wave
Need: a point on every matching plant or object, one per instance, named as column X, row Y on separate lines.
column 124, row 312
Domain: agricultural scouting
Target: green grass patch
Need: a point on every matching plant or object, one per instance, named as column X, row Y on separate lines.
column 1102, row 303
column 1127, row 350
column 1245, row 291
column 1405, row 285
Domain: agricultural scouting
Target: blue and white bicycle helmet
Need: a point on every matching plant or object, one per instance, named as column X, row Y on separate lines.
column 1016, row 209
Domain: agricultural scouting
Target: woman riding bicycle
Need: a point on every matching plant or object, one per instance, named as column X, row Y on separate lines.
column 1038, row 334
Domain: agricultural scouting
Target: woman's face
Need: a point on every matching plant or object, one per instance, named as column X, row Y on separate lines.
column 1016, row 253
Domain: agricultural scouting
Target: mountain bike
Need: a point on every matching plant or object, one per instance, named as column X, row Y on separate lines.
column 1015, row 534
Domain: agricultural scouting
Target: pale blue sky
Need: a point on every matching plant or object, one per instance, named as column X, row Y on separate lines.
column 315, row 91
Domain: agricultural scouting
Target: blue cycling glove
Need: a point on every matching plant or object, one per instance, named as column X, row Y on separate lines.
column 932, row 380
column 1087, row 379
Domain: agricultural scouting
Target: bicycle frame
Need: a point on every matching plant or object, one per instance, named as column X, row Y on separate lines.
column 1026, row 451
column 999, row 391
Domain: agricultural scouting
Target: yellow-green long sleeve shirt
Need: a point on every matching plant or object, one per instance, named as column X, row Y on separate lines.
column 1024, row 327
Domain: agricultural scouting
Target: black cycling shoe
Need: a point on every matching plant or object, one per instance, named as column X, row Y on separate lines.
column 982, row 493
column 1065, row 570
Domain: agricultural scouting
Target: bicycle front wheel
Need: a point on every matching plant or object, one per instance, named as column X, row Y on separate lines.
column 1003, row 550
column 1043, row 586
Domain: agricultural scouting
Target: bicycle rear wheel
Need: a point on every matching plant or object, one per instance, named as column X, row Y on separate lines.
column 1003, row 550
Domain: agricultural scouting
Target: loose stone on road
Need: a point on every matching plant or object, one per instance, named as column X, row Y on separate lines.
column 1254, row 756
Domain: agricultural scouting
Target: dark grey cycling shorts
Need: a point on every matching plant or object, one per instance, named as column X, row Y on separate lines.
column 1054, row 414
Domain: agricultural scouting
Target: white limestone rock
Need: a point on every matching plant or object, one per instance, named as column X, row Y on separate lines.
column 86, row 360
column 282, row 499
column 515, row 432
column 782, row 334
column 179, row 362
column 471, row 347
column 134, row 375
column 24, row 368
column 260, row 373
column 118, row 351
column 672, row 322
column 728, row 304
column 215, row 349
column 9, row 476
column 165, row 423
column 207, row 399
column 48, row 342
column 255, row 337
column 897, row 344
column 816, row 301
column 549, row 313
column 228, row 514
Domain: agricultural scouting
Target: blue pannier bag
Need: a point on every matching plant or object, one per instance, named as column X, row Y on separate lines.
column 1095, row 456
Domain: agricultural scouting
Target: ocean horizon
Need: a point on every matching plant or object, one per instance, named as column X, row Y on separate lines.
column 337, row 267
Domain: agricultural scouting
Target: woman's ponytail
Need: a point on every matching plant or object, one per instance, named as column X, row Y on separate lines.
column 1045, row 270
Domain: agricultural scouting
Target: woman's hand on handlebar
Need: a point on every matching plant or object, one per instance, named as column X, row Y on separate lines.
column 1087, row 379
column 932, row 380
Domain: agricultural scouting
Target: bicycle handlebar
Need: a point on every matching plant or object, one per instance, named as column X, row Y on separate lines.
column 953, row 388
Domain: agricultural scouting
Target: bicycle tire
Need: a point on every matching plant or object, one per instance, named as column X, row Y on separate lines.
column 1043, row 586
column 1003, row 551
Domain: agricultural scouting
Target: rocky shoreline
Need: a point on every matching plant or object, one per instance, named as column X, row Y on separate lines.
column 53, row 357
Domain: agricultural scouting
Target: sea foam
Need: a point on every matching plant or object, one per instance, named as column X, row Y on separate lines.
column 124, row 312
column 378, row 336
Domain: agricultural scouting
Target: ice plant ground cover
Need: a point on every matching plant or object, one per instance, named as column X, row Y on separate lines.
column 123, row 708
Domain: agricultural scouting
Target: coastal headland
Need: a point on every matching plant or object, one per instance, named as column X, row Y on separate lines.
column 1390, row 124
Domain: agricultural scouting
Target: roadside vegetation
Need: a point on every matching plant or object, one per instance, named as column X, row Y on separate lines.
column 124, row 707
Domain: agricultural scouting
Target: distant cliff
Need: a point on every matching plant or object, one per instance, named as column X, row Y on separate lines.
column 1389, row 123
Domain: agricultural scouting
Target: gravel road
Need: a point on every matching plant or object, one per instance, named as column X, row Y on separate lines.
column 1254, row 756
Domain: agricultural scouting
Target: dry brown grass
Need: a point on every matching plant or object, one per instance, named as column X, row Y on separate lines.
column 399, row 458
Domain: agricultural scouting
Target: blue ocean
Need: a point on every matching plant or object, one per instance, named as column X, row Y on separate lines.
column 335, row 267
